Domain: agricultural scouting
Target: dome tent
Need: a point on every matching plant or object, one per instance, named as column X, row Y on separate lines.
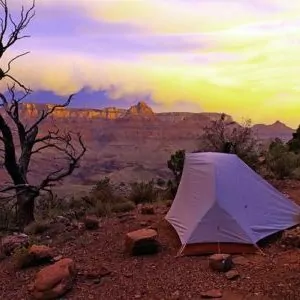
column 223, row 205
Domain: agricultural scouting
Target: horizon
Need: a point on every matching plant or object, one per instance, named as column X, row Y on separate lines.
column 155, row 112
column 181, row 56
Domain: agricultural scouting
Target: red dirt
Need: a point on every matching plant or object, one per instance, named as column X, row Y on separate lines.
column 161, row 276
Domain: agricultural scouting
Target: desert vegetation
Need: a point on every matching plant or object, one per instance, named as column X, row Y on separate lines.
column 20, row 142
column 279, row 161
column 105, row 229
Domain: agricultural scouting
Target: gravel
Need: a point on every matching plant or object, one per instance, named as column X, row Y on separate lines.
column 161, row 276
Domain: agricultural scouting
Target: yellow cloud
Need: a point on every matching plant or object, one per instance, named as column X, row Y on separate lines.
column 250, row 66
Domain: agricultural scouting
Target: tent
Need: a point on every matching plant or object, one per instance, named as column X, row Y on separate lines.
column 222, row 205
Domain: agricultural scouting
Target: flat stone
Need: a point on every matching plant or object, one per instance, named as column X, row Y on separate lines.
column 232, row 274
column 142, row 241
column 211, row 294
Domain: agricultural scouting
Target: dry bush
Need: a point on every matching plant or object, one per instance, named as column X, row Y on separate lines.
column 104, row 200
column 225, row 136
column 144, row 192
column 37, row 227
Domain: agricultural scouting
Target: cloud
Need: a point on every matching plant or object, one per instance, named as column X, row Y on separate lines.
column 240, row 57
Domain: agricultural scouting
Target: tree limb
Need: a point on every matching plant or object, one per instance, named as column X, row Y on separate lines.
column 17, row 27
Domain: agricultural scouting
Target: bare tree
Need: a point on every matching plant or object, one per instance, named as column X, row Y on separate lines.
column 19, row 142
column 227, row 136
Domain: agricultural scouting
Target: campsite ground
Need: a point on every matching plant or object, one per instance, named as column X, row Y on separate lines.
column 274, row 275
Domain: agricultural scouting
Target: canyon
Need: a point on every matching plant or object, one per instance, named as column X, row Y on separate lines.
column 129, row 144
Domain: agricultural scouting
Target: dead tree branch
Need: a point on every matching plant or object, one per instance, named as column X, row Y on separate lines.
column 11, row 31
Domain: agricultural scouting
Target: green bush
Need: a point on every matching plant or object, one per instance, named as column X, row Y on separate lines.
column 280, row 161
column 103, row 200
column 143, row 192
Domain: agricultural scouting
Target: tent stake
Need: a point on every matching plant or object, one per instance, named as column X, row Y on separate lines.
column 179, row 253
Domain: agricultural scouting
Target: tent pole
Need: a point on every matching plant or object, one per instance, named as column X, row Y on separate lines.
column 260, row 250
column 179, row 253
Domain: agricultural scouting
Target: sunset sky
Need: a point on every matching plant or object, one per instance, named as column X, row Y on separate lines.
column 241, row 57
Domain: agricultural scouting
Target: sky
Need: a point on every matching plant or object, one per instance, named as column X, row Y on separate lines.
column 235, row 56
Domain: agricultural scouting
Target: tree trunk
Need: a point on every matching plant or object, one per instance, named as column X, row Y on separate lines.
column 25, row 209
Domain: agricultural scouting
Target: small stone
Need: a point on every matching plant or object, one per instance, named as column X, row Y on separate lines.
column 57, row 258
column 141, row 242
column 211, row 294
column 232, row 274
column 220, row 262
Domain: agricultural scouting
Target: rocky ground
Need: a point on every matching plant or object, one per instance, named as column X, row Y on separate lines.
column 105, row 271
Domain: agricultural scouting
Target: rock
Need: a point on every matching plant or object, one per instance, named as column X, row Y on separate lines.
column 55, row 280
column 91, row 223
column 12, row 242
column 36, row 255
column 220, row 262
column 57, row 258
column 142, row 241
column 147, row 210
column 211, row 294
column 232, row 274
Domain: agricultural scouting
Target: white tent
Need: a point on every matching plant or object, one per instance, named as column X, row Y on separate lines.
column 223, row 205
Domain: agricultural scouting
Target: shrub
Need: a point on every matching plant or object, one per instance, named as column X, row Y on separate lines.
column 143, row 192
column 124, row 206
column 294, row 143
column 280, row 161
column 37, row 227
column 103, row 200
column 175, row 164
column 226, row 136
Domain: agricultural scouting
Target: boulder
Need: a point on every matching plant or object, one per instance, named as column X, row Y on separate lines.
column 212, row 294
column 35, row 255
column 55, row 280
column 221, row 262
column 142, row 241
column 11, row 242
